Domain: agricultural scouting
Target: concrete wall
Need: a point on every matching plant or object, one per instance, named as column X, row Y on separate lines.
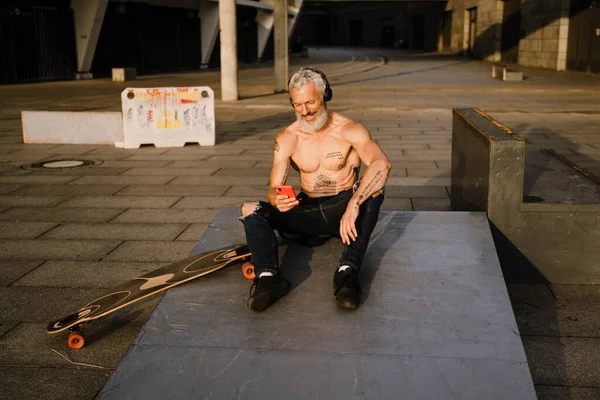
column 542, row 31
column 489, row 17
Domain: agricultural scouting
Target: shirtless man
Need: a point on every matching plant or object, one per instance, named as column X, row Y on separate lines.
column 327, row 149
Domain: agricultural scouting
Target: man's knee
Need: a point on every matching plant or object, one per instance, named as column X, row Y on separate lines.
column 249, row 208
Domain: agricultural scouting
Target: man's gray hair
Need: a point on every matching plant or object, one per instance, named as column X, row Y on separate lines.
column 304, row 76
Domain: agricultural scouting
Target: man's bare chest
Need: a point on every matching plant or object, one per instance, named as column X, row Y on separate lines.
column 321, row 153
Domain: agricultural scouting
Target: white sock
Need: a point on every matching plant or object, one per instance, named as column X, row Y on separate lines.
column 265, row 273
column 343, row 268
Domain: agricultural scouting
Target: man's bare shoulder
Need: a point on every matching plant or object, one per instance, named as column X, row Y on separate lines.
column 352, row 131
column 339, row 120
column 288, row 136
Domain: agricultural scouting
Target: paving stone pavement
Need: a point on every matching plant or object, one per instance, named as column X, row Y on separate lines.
column 67, row 235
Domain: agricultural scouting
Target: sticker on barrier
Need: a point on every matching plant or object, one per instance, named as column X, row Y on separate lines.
column 168, row 117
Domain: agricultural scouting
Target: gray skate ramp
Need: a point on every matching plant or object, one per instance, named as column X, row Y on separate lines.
column 436, row 322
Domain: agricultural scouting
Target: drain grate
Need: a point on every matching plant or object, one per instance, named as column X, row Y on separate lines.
column 62, row 164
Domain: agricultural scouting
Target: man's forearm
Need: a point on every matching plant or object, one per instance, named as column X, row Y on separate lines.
column 373, row 180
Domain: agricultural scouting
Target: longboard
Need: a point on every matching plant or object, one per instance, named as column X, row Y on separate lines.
column 148, row 285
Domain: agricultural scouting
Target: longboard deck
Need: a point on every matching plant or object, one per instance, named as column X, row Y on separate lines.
column 152, row 283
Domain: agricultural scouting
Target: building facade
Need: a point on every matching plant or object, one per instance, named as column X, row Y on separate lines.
column 68, row 39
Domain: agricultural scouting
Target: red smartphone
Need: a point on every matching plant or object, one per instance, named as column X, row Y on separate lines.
column 286, row 190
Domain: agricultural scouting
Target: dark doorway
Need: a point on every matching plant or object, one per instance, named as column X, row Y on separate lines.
column 387, row 36
column 418, row 32
column 36, row 44
column 584, row 36
column 472, row 29
column 447, row 30
column 511, row 28
column 323, row 29
column 356, row 32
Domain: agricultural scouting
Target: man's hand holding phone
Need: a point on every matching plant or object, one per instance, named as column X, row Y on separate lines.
column 285, row 198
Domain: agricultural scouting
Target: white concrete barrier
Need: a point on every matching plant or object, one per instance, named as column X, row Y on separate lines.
column 73, row 127
column 168, row 117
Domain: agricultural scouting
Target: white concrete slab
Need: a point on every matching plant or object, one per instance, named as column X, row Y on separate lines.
column 435, row 322
column 73, row 127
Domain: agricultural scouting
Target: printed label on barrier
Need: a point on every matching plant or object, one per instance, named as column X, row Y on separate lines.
column 168, row 117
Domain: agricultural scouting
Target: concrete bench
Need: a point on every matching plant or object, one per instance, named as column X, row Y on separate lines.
column 544, row 211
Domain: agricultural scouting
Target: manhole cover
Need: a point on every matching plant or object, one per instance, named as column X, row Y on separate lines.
column 62, row 164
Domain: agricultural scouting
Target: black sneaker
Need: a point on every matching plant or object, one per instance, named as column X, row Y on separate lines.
column 347, row 289
column 266, row 291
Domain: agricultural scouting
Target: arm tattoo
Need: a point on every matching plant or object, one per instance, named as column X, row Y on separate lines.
column 276, row 146
column 369, row 187
column 286, row 173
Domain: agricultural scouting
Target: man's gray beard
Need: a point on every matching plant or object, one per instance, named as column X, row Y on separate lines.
column 318, row 123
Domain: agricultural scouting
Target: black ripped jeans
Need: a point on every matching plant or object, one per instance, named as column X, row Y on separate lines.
column 311, row 223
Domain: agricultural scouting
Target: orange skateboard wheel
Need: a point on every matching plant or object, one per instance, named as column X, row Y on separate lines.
column 76, row 340
column 248, row 270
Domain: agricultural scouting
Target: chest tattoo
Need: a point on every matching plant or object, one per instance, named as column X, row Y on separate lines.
column 336, row 155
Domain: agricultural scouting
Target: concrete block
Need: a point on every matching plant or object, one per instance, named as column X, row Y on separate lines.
column 497, row 70
column 79, row 127
column 123, row 74
column 512, row 75
column 168, row 117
